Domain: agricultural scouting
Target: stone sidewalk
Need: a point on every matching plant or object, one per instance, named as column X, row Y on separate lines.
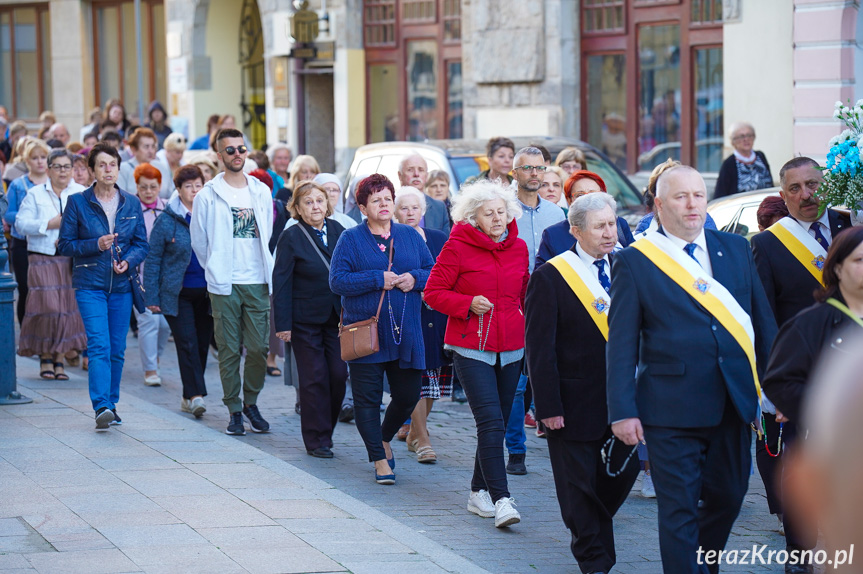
column 165, row 493
column 431, row 499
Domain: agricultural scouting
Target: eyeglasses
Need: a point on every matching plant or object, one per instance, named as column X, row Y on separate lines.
column 530, row 168
column 231, row 150
column 743, row 137
column 59, row 167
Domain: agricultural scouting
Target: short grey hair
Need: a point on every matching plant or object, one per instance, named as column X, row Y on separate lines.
column 737, row 126
column 271, row 150
column 58, row 153
column 408, row 156
column 474, row 195
column 408, row 191
column 529, row 150
column 581, row 207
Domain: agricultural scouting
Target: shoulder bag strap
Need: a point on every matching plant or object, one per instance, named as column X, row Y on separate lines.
column 844, row 308
column 315, row 245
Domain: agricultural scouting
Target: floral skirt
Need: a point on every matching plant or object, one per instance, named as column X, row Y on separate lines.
column 52, row 323
column 437, row 383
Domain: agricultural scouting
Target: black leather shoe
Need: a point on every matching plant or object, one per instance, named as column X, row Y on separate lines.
column 321, row 452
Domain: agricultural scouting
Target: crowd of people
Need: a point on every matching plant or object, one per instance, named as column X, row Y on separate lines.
column 525, row 291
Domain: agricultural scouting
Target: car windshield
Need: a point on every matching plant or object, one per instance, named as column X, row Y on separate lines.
column 465, row 167
column 620, row 189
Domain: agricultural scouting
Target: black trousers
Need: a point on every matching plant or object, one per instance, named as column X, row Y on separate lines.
column 323, row 372
column 367, row 381
column 688, row 464
column 490, row 391
column 769, row 467
column 588, row 497
column 192, row 329
column 20, row 260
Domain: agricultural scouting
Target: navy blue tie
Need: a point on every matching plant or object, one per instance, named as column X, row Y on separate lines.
column 690, row 250
column 603, row 278
column 819, row 237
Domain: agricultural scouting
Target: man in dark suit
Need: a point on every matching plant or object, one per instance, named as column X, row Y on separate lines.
column 414, row 172
column 564, row 346
column 681, row 381
column 790, row 287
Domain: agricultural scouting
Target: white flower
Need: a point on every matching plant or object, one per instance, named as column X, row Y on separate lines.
column 859, row 103
column 860, row 144
column 836, row 114
column 838, row 105
column 846, row 135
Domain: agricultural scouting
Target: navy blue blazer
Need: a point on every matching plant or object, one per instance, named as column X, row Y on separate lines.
column 790, row 288
column 434, row 322
column 556, row 239
column 437, row 215
column 687, row 362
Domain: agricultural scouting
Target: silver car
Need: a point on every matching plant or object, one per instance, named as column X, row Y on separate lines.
column 738, row 213
column 463, row 158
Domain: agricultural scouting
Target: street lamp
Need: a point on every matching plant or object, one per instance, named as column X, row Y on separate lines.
column 9, row 394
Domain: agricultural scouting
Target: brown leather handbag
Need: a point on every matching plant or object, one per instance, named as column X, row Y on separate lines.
column 360, row 339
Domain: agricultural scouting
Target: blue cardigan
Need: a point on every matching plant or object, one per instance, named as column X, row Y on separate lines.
column 357, row 274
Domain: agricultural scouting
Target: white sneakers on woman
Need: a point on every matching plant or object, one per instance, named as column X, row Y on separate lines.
column 504, row 514
column 480, row 504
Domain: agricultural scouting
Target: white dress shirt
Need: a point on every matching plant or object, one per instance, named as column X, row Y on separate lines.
column 824, row 224
column 701, row 253
column 590, row 259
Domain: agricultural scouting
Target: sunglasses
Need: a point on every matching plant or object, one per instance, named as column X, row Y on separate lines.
column 231, row 150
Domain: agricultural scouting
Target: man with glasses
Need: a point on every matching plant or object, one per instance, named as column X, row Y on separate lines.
column 537, row 214
column 231, row 225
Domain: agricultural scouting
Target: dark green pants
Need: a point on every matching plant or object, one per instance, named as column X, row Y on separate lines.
column 242, row 319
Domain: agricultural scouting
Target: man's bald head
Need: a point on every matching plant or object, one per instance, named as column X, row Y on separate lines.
column 681, row 202
column 59, row 132
column 675, row 177
column 413, row 171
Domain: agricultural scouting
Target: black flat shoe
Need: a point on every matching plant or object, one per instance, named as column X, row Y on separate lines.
column 321, row 452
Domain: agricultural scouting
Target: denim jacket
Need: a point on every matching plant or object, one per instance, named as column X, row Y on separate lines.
column 84, row 222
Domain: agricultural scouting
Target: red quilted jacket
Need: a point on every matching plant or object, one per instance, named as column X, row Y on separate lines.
column 472, row 264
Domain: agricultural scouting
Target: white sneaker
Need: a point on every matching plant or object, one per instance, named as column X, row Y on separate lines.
column 505, row 514
column 647, row 490
column 480, row 504
column 153, row 381
column 197, row 407
column 186, row 405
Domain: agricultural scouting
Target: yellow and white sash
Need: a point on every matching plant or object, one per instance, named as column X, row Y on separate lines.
column 586, row 287
column 802, row 246
column 707, row 291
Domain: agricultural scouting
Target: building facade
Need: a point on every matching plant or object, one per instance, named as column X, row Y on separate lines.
column 643, row 80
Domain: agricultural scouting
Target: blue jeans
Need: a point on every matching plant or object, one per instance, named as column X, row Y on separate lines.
column 515, row 437
column 489, row 391
column 106, row 320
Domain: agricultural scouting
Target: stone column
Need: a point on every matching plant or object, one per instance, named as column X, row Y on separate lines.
column 71, row 69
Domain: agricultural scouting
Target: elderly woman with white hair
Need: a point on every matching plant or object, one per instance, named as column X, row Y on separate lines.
column 745, row 169
column 437, row 378
column 479, row 281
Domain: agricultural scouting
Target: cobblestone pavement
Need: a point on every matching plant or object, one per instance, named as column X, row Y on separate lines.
column 432, row 498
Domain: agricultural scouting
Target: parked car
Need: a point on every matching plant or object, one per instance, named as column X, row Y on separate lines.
column 738, row 213
column 463, row 158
